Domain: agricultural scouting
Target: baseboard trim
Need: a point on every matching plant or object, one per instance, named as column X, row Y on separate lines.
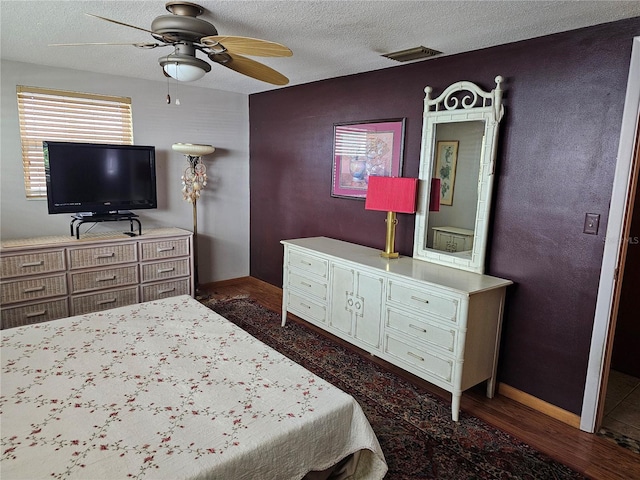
column 539, row 405
column 231, row 281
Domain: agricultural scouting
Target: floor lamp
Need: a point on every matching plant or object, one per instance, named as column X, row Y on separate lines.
column 194, row 180
column 391, row 195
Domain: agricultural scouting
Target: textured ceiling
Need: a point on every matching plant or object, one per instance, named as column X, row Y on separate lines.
column 328, row 38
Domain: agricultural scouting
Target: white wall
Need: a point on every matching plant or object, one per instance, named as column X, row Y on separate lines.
column 203, row 116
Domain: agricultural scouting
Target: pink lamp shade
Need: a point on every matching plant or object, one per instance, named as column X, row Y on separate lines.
column 392, row 194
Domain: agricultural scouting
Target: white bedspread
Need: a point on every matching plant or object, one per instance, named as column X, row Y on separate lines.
column 171, row 390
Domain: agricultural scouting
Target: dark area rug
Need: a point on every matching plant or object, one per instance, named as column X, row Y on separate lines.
column 414, row 428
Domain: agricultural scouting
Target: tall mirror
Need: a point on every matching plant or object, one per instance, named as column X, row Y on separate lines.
column 457, row 158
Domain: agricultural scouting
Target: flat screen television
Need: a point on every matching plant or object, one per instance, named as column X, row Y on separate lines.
column 93, row 178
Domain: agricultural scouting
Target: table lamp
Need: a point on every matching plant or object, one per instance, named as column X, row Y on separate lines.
column 391, row 195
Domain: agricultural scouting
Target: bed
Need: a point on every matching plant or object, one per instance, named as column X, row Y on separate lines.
column 170, row 389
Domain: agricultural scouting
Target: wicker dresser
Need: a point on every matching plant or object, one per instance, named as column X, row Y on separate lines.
column 54, row 277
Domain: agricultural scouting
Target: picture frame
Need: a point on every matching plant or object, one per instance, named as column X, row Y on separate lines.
column 445, row 169
column 361, row 149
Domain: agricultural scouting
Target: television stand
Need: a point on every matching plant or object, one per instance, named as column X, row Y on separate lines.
column 122, row 216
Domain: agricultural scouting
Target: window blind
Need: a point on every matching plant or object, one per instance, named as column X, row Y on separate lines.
column 62, row 116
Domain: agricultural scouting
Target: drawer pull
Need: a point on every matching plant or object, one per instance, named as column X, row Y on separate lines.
column 350, row 302
column 166, row 270
column 411, row 354
column 305, row 305
column 34, row 289
column 418, row 299
column 167, row 290
column 106, row 255
column 36, row 314
column 104, row 302
column 165, row 249
column 420, row 329
column 106, row 279
column 305, row 263
column 305, row 284
column 32, row 264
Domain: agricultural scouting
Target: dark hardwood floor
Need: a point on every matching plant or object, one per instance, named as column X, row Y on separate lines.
column 593, row 456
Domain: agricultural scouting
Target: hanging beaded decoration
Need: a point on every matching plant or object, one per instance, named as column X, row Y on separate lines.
column 194, row 179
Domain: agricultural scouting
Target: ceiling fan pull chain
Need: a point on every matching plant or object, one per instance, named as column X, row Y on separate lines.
column 177, row 99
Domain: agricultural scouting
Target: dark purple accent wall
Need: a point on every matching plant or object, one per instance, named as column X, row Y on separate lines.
column 564, row 96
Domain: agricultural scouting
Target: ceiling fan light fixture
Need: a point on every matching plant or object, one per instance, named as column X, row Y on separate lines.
column 184, row 68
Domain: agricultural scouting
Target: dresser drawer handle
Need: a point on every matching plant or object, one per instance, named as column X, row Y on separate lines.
column 418, row 299
column 34, row 289
column 420, row 329
column 106, row 255
column 106, row 279
column 308, row 285
column 165, row 249
column 166, row 270
column 305, row 305
column 104, row 302
column 160, row 292
column 36, row 314
column 32, row 264
column 411, row 354
column 308, row 264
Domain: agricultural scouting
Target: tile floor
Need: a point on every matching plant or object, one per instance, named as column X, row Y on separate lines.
column 622, row 407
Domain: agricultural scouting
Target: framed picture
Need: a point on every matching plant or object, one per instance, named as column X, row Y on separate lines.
column 363, row 149
column 446, row 159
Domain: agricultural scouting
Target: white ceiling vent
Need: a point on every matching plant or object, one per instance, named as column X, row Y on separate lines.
column 415, row 53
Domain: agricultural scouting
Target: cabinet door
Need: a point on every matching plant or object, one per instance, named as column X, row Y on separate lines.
column 368, row 317
column 356, row 304
column 342, row 298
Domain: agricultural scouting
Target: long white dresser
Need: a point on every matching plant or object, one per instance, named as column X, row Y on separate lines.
column 437, row 322
column 53, row 277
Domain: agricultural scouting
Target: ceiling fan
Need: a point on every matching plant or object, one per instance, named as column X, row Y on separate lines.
column 188, row 34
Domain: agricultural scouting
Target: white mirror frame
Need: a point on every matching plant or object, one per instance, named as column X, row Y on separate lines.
column 451, row 106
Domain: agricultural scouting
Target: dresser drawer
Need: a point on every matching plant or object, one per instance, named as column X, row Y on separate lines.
column 34, row 313
column 33, row 288
column 95, row 302
column 423, row 331
column 105, row 278
column 307, row 263
column 164, row 249
column 99, row 256
column 419, row 357
column 308, row 286
column 152, row 272
column 157, row 291
column 32, row 263
column 306, row 309
column 423, row 300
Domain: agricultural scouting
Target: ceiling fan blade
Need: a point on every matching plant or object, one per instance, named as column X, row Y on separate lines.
column 247, row 46
column 138, row 45
column 158, row 36
column 119, row 23
column 250, row 68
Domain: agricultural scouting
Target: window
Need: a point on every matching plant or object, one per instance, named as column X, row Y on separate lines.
column 62, row 116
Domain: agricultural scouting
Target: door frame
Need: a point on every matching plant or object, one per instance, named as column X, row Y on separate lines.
column 626, row 173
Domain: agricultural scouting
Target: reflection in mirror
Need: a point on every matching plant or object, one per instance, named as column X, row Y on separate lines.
column 459, row 140
column 451, row 228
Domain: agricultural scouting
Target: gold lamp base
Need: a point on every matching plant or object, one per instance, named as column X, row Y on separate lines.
column 391, row 237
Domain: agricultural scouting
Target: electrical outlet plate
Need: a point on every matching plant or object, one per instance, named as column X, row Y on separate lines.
column 591, row 223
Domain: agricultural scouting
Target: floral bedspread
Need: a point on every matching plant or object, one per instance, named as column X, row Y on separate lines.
column 168, row 389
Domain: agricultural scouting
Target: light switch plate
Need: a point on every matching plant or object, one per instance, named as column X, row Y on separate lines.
column 591, row 223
